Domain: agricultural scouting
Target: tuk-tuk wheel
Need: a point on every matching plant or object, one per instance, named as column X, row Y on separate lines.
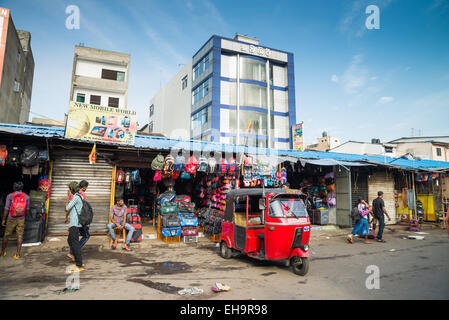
column 225, row 251
column 299, row 266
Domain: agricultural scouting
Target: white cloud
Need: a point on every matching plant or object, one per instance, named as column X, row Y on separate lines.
column 385, row 100
column 334, row 78
column 354, row 78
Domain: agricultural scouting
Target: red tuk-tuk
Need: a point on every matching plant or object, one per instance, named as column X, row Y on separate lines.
column 267, row 224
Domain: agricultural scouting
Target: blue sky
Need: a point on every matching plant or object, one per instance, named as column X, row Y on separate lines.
column 352, row 82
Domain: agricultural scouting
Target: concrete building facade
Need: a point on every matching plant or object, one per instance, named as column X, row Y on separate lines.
column 100, row 77
column 16, row 71
column 426, row 148
column 325, row 143
column 366, row 148
column 232, row 91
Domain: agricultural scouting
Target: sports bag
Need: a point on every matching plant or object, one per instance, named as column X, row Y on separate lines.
column 158, row 163
column 167, row 196
column 202, row 165
column 13, row 156
column 170, row 220
column 86, row 215
column 120, row 176
column 180, row 163
column 169, row 207
column 171, row 232
column 223, row 168
column 188, row 221
column 136, row 176
column 191, row 165
column 186, row 206
column 29, row 156
column 232, row 165
column 137, row 234
column 42, row 155
column 128, row 180
column 3, row 154
column 185, row 175
column 182, row 198
column 19, row 205
column 189, row 231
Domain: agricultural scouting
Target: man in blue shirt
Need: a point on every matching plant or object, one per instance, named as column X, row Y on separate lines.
column 75, row 207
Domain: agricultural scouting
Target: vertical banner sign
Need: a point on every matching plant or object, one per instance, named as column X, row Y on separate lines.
column 4, row 19
column 298, row 139
column 100, row 123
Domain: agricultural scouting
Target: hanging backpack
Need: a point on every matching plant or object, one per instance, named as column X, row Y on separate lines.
column 211, row 164
column 19, row 205
column 185, row 175
column 157, row 176
column 223, row 168
column 191, row 165
column 14, row 156
column 136, row 176
column 29, row 156
column 283, row 175
column 169, row 164
column 202, row 165
column 128, row 180
column 180, row 163
column 42, row 155
column 120, row 176
column 158, row 163
column 3, row 154
column 86, row 215
column 232, row 165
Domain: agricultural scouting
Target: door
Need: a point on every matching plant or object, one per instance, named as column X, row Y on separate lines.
column 74, row 166
column 344, row 196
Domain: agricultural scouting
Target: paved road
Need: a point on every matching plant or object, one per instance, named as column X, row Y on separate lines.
column 414, row 269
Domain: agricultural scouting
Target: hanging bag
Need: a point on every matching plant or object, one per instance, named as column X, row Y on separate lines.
column 158, row 163
column 3, row 154
column 202, row 165
column 191, row 165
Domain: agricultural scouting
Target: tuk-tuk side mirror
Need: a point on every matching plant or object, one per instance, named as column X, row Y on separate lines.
column 262, row 204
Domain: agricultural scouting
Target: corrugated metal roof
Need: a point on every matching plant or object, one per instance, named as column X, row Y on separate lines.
column 163, row 143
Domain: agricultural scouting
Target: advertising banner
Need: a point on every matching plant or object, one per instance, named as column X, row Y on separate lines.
column 298, row 139
column 99, row 123
column 4, row 19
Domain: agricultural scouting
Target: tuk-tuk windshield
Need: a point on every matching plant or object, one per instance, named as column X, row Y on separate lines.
column 287, row 208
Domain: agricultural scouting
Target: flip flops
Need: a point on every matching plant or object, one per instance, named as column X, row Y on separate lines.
column 218, row 287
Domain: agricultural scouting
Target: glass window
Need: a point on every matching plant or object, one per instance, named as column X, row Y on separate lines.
column 228, row 93
column 253, row 69
column 16, row 86
column 120, row 76
column 279, row 100
column 253, row 122
column 80, row 97
column 228, row 122
column 287, row 208
column 151, row 110
column 253, row 95
column 439, row 152
column 201, row 119
column 201, row 67
column 95, row 99
column 229, row 66
column 278, row 76
column 151, row 126
column 113, row 102
column 200, row 92
column 184, row 83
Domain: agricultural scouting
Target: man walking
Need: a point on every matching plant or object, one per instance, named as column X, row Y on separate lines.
column 118, row 220
column 16, row 207
column 75, row 207
column 379, row 211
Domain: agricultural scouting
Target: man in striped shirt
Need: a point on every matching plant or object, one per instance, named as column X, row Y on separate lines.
column 118, row 220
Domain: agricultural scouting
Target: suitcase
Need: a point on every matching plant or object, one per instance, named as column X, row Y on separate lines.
column 170, row 220
column 169, row 207
column 171, row 232
column 188, row 221
column 137, row 235
column 189, row 231
column 34, row 231
column 186, row 207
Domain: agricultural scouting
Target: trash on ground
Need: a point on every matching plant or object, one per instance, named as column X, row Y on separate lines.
column 193, row 291
column 218, row 287
column 217, row 245
column 54, row 239
column 421, row 233
column 416, row 237
column 215, row 263
column 66, row 290
column 31, row 244
column 392, row 250
column 327, row 238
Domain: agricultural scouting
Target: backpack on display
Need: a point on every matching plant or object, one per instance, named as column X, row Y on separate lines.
column 42, row 155
column 232, row 165
column 191, row 165
column 185, row 175
column 120, row 176
column 157, row 176
column 128, row 180
column 180, row 163
column 211, row 164
column 223, row 168
column 13, row 156
column 29, row 156
column 158, row 163
column 86, row 215
column 169, row 163
column 19, row 205
column 136, row 176
column 3, row 155
column 202, row 165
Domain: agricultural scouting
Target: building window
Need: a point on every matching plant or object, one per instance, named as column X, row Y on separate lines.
column 18, row 56
column 184, row 82
column 95, row 99
column 112, row 75
column 150, row 126
column 200, row 119
column 16, row 86
column 151, row 110
column 438, row 152
column 200, row 92
column 113, row 102
column 80, row 97
column 201, row 67
column 252, row 69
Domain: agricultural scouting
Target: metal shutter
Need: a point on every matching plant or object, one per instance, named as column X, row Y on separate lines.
column 66, row 168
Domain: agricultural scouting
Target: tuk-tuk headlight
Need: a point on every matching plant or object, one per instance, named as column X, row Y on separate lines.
column 305, row 247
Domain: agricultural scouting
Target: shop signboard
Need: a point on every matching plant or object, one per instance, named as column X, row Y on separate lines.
column 298, row 140
column 100, row 123
column 4, row 20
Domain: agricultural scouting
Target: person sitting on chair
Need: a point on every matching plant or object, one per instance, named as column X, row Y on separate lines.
column 118, row 220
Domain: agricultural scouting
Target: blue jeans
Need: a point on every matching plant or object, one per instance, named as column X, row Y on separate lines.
column 381, row 226
column 85, row 235
column 128, row 227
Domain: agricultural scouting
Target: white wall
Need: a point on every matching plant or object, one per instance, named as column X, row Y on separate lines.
column 93, row 69
column 104, row 96
column 363, row 148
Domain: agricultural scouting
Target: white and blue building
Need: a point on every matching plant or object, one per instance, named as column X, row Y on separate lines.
column 232, row 91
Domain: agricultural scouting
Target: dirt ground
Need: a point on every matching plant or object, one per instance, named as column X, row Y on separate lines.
column 158, row 271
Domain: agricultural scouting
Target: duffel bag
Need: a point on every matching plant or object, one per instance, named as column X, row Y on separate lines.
column 169, row 207
column 186, row 207
column 189, row 231
column 167, row 196
column 39, row 196
column 182, row 198
column 172, row 232
column 137, row 234
column 171, row 221
column 188, row 221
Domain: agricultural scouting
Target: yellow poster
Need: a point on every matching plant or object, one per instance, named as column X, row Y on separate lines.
column 99, row 123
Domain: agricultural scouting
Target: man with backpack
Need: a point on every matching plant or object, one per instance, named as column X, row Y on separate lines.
column 16, row 207
column 379, row 211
